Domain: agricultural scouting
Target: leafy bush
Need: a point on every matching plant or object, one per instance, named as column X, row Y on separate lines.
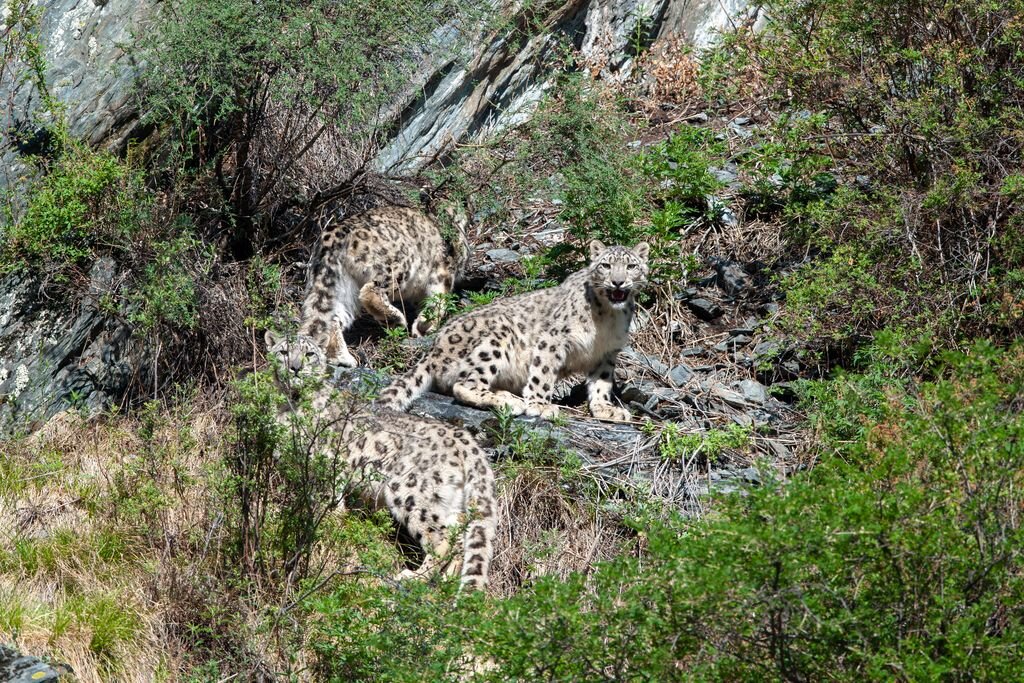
column 585, row 135
column 250, row 92
column 913, row 112
column 86, row 203
column 409, row 633
column 834, row 574
column 167, row 294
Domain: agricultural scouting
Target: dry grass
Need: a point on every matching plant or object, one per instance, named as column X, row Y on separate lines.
column 544, row 531
column 114, row 533
column 85, row 572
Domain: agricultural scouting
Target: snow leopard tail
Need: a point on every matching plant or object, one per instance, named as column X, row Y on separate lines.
column 482, row 518
column 407, row 388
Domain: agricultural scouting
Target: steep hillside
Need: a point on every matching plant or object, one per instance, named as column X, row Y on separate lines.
column 821, row 474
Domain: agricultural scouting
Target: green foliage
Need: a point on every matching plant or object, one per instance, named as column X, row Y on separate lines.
column 675, row 445
column 678, row 172
column 263, row 284
column 87, row 203
column 410, row 633
column 831, row 575
column 585, row 135
column 167, row 293
column 897, row 142
column 249, row 88
column 437, row 307
column 395, row 356
column 288, row 473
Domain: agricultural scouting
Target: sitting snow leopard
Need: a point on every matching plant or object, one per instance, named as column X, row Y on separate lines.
column 510, row 352
column 365, row 262
column 432, row 477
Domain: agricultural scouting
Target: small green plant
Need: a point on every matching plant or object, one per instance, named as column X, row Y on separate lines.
column 437, row 307
column 263, row 285
column 395, row 355
column 167, row 293
column 640, row 35
column 673, row 444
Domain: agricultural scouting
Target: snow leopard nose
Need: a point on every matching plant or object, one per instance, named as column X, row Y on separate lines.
column 617, row 284
column 295, row 363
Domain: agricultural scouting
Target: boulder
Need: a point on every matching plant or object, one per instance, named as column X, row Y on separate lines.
column 58, row 353
column 18, row 668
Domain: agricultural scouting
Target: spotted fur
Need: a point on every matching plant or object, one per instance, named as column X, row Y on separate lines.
column 366, row 262
column 511, row 352
column 432, row 477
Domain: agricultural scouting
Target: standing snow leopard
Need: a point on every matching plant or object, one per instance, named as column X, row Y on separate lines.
column 510, row 352
column 432, row 477
column 367, row 261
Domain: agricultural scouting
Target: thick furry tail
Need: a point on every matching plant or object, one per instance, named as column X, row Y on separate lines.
column 407, row 388
column 482, row 513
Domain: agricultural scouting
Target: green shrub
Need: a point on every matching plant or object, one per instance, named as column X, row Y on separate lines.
column 409, row 633
column 167, row 293
column 244, row 92
column 87, row 203
column 893, row 135
column 900, row 558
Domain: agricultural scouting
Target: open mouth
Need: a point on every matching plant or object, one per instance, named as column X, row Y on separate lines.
column 617, row 296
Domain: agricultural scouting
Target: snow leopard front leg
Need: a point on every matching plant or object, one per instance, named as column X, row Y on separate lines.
column 541, row 378
column 599, row 389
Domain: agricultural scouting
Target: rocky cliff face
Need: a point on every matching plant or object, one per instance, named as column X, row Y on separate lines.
column 57, row 353
column 497, row 83
column 89, row 70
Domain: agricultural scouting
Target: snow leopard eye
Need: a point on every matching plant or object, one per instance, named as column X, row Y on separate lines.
column 606, row 266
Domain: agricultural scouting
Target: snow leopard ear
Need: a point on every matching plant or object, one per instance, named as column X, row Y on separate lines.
column 270, row 338
column 643, row 250
column 596, row 247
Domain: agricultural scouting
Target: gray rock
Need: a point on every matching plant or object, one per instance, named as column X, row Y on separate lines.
column 792, row 366
column 780, row 449
column 18, row 668
column 750, row 474
column 740, row 130
column 641, row 319
column 645, row 393
column 726, row 175
column 645, row 360
column 728, row 217
column 680, row 375
column 767, row 350
column 691, row 351
column 753, row 391
column 704, row 309
column 56, row 354
column 770, row 308
column 731, row 277
column 88, row 72
column 730, row 397
column 732, row 343
column 496, row 81
column 504, row 256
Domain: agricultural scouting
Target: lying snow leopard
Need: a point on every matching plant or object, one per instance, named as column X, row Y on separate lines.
column 365, row 262
column 432, row 477
column 510, row 352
